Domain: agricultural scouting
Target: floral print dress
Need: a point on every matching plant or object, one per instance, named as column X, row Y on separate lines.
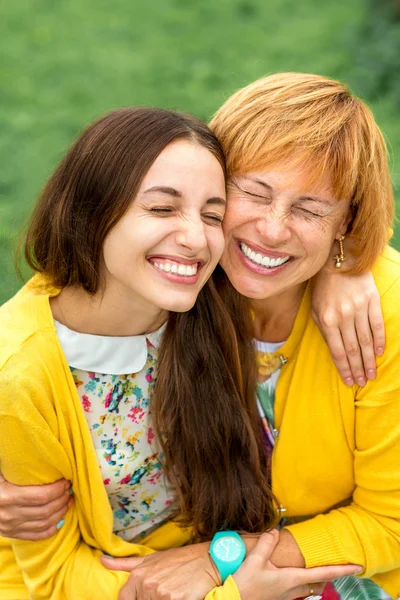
column 114, row 378
column 269, row 367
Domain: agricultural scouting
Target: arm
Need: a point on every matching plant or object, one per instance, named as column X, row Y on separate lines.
column 367, row 531
column 33, row 512
column 66, row 565
column 347, row 310
column 188, row 574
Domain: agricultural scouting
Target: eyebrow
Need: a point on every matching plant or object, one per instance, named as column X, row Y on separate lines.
column 304, row 198
column 316, row 199
column 265, row 185
column 177, row 194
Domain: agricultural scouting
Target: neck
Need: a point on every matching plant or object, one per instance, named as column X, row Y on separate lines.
column 105, row 313
column 274, row 317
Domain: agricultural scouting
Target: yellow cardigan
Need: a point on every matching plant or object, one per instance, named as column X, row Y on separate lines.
column 337, row 454
column 44, row 437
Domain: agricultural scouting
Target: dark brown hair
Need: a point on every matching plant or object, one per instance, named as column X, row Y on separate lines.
column 204, row 406
column 94, row 185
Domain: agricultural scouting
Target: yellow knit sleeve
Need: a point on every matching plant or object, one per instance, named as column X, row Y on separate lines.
column 67, row 565
column 228, row 591
column 367, row 530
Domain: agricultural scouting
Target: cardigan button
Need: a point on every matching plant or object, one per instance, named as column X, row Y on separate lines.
column 275, row 433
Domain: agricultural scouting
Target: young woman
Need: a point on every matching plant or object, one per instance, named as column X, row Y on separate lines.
column 124, row 238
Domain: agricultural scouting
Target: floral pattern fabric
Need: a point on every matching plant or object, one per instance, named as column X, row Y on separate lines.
column 117, row 409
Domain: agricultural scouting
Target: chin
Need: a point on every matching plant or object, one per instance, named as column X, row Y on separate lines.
column 179, row 306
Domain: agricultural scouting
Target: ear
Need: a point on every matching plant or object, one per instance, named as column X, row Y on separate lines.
column 344, row 224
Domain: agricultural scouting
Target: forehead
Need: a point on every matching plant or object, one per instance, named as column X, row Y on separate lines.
column 184, row 160
column 294, row 179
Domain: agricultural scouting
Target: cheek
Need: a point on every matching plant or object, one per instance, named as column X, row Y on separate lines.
column 216, row 243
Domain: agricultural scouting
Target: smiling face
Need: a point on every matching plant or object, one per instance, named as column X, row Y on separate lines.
column 278, row 232
column 162, row 251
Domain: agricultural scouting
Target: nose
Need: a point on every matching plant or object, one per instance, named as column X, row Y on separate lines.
column 273, row 227
column 192, row 235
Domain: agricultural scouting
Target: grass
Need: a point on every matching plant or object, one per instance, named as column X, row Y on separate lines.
column 66, row 63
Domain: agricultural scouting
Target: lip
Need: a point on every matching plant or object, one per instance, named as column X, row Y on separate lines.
column 174, row 277
column 177, row 259
column 259, row 269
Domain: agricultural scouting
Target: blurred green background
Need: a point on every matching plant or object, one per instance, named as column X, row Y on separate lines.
column 65, row 63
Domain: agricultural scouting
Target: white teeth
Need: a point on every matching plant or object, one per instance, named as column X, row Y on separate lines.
column 177, row 268
column 261, row 259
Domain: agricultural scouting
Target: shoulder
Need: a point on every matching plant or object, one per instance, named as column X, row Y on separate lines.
column 24, row 320
column 30, row 357
column 386, row 272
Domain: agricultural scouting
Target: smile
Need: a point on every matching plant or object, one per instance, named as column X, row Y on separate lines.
column 176, row 268
column 262, row 259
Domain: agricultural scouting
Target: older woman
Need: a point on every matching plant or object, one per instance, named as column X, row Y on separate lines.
column 308, row 168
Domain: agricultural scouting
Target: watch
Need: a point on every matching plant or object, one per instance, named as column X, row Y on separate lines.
column 227, row 551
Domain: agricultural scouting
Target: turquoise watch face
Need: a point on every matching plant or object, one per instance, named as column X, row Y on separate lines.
column 227, row 548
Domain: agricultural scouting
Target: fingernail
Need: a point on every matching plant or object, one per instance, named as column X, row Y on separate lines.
column 67, row 486
column 361, row 381
column 349, row 381
column 107, row 556
column 371, row 373
column 359, row 570
column 379, row 351
column 60, row 524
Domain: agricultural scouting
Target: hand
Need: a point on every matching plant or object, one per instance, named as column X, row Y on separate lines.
column 32, row 512
column 259, row 579
column 347, row 310
column 186, row 573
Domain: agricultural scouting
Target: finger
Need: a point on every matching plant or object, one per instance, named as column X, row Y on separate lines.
column 32, row 495
column 129, row 591
column 353, row 351
column 377, row 325
column 366, row 342
column 33, row 536
column 311, row 589
column 122, row 564
column 324, row 574
column 39, row 525
column 1, row 478
column 49, row 511
column 336, row 347
column 265, row 545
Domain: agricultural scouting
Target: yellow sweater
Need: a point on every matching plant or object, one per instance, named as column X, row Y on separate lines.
column 337, row 454
column 44, row 437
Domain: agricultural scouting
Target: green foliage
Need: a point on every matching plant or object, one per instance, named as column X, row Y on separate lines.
column 65, row 63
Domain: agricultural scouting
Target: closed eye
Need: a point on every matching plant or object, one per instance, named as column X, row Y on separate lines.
column 164, row 210
column 308, row 212
column 215, row 218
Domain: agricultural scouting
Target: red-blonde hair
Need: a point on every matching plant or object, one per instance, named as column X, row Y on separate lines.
column 316, row 123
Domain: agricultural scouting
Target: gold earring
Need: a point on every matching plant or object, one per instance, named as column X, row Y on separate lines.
column 340, row 258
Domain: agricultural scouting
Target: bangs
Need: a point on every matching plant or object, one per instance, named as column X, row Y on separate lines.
column 313, row 123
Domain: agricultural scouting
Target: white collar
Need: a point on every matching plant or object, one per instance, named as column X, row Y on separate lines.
column 106, row 354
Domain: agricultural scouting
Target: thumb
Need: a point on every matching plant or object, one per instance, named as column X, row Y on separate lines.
column 2, row 480
column 265, row 546
column 121, row 564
